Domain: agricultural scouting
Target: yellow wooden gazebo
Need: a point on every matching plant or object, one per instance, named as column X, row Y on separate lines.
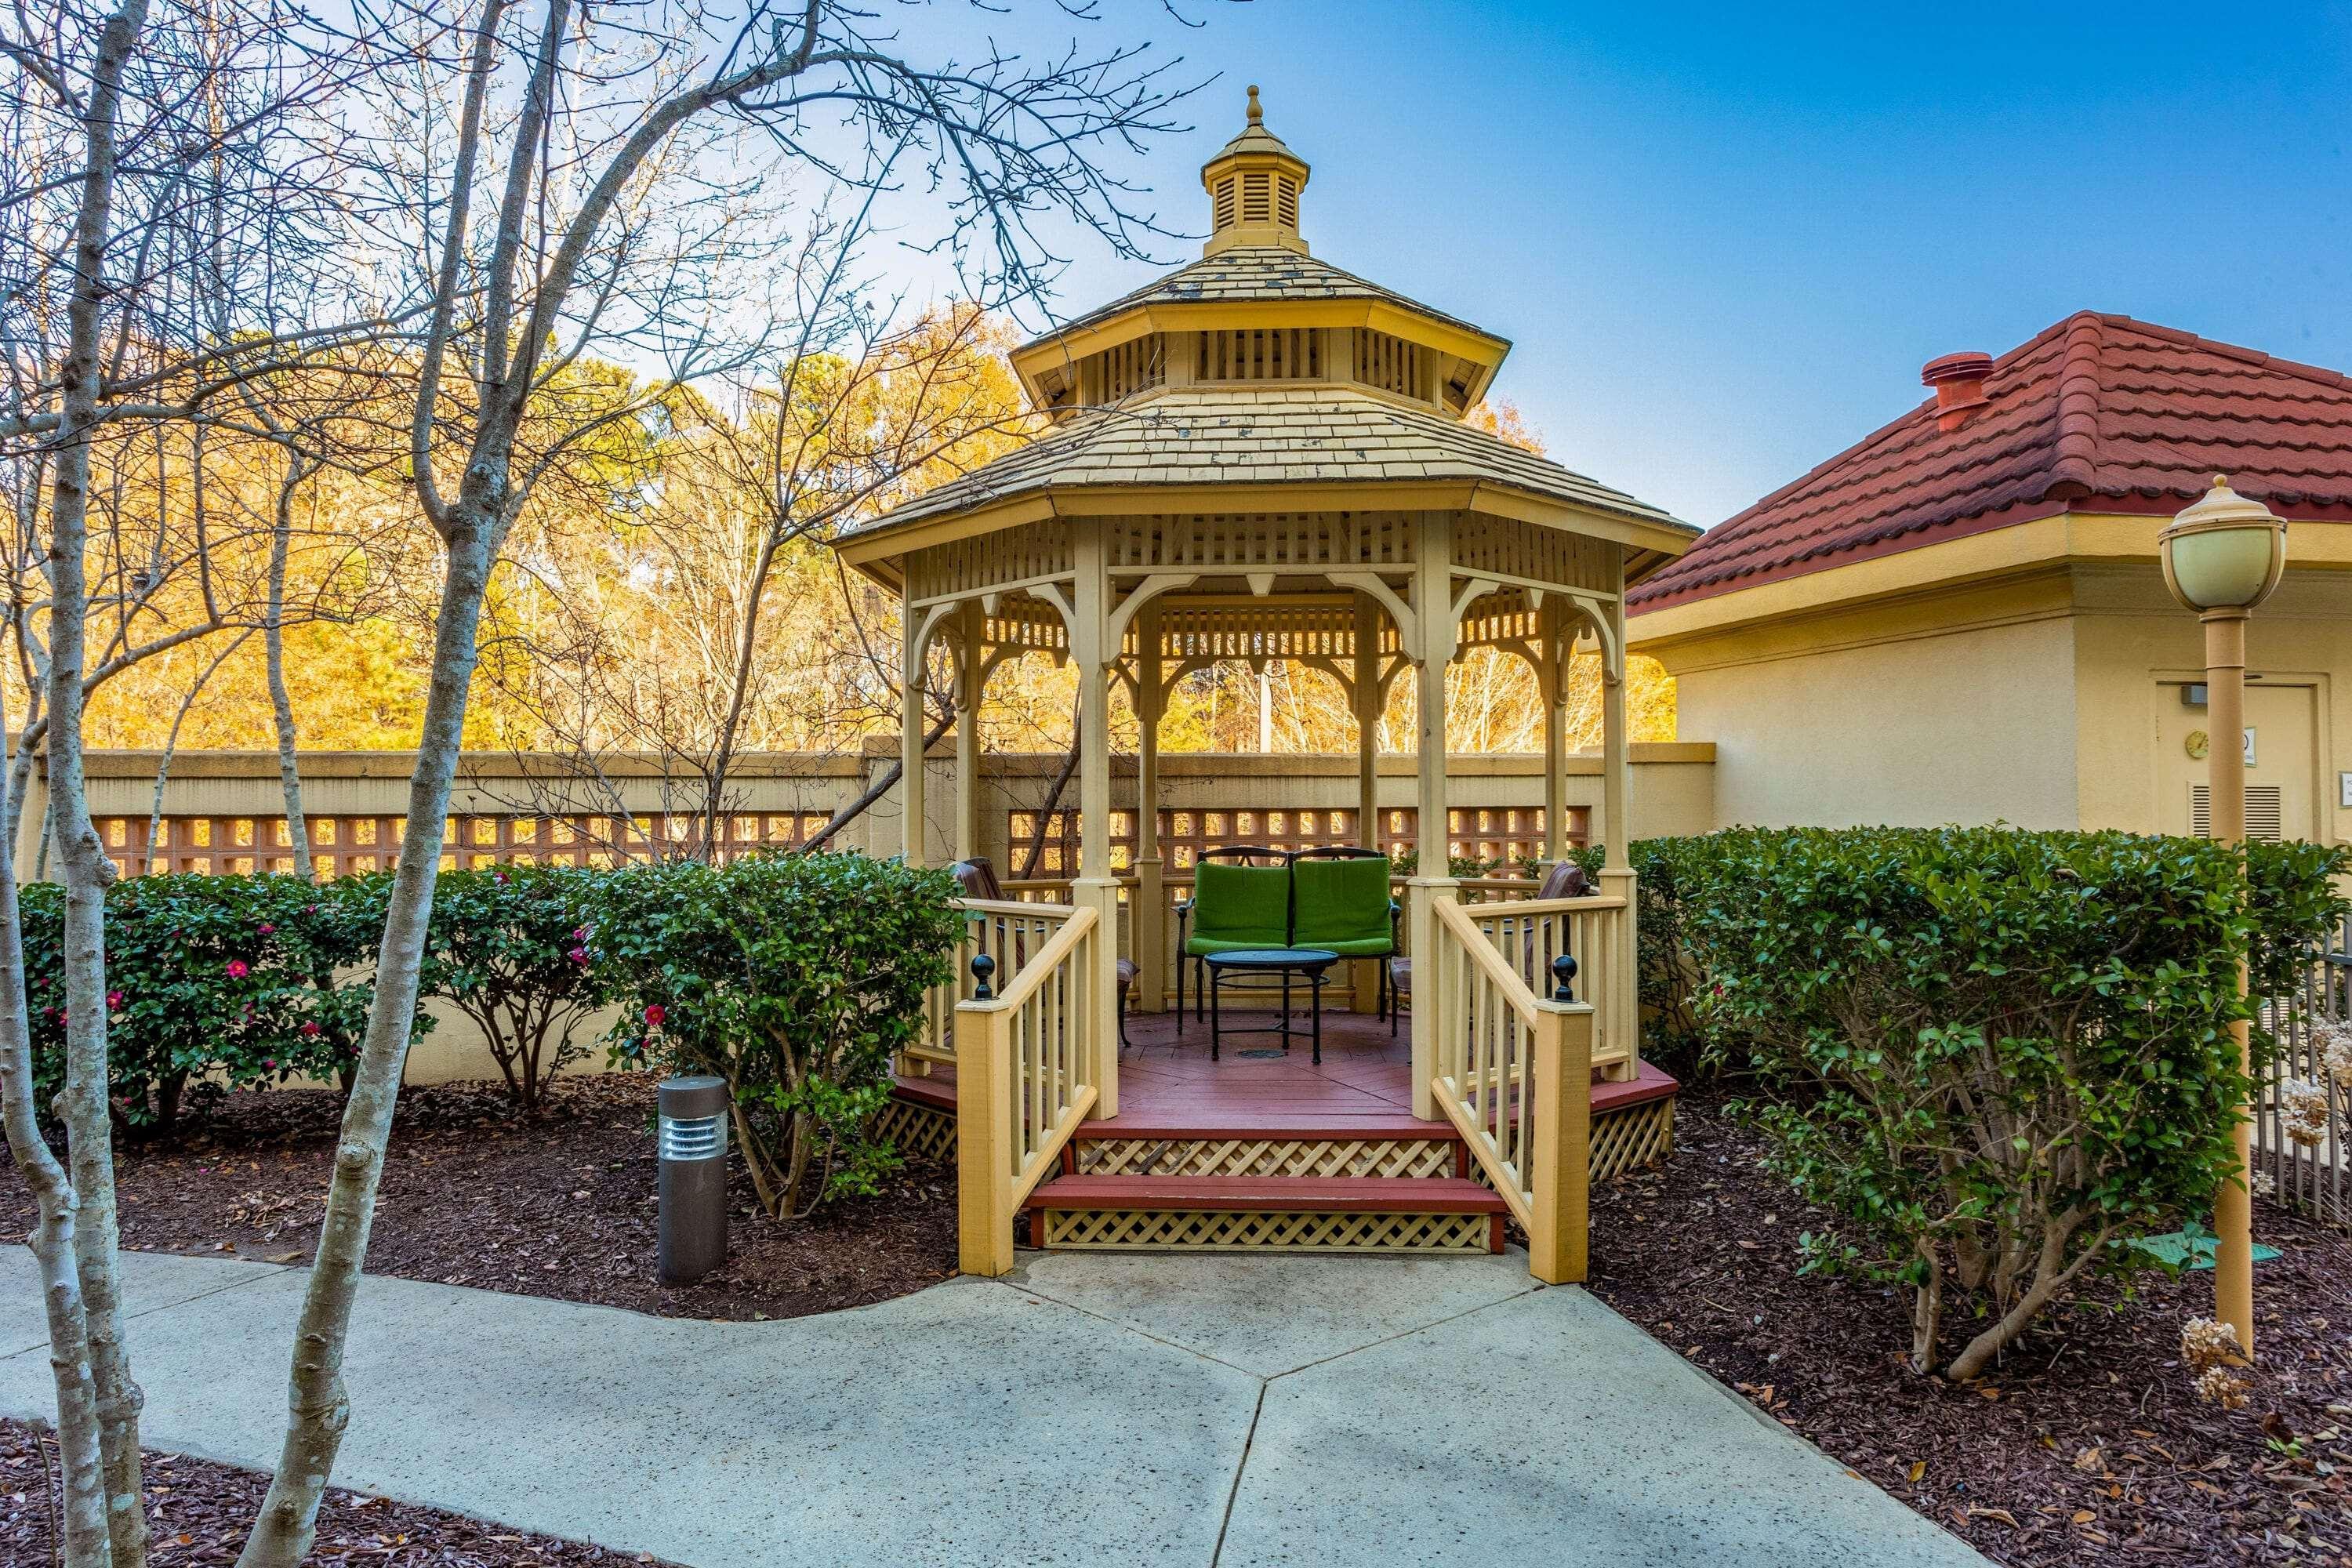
column 1261, row 457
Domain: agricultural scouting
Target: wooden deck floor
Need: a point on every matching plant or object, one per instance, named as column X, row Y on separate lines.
column 1169, row 1088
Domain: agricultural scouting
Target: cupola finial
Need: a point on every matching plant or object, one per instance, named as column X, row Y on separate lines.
column 1256, row 111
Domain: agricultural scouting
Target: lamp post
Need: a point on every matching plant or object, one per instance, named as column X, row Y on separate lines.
column 2222, row 556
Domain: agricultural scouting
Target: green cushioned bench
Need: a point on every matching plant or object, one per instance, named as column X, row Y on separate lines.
column 1335, row 899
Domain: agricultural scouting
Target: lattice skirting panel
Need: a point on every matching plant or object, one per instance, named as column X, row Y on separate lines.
column 918, row 1131
column 1629, row 1138
column 1266, row 1157
column 1160, row 1230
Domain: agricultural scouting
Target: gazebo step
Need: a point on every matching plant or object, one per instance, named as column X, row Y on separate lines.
column 1232, row 1214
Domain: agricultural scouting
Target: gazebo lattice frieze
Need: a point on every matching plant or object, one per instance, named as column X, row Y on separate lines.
column 1185, row 507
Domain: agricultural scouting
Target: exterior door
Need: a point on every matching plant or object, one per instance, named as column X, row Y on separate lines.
column 2281, row 744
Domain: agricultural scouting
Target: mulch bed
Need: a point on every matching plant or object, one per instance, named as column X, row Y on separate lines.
column 2088, row 1446
column 560, row 1204
column 198, row 1513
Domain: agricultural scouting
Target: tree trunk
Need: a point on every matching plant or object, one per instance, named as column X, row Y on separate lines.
column 319, row 1407
column 883, row 783
column 281, row 708
column 1927, row 1311
column 2051, row 1276
column 1045, row 811
column 52, row 1245
column 83, row 1106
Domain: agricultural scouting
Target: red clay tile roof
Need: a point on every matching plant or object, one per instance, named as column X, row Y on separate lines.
column 2098, row 413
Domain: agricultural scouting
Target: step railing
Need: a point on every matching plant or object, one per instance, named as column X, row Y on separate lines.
column 1027, row 1072
column 1010, row 931
column 1514, row 1074
column 1598, row 933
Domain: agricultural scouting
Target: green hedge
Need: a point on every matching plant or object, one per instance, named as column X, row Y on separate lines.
column 1998, row 1056
column 796, row 979
column 213, row 983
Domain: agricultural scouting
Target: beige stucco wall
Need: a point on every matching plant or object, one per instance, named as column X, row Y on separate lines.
column 1956, row 708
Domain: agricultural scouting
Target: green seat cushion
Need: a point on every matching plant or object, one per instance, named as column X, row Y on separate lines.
column 1201, row 946
column 1379, row 946
column 1343, row 905
column 1239, row 906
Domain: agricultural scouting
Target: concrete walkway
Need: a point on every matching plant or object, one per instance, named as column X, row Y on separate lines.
column 1093, row 1410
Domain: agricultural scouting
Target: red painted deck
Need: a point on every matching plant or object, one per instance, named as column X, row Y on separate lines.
column 1169, row 1088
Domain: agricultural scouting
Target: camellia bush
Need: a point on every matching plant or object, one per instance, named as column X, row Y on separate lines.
column 795, row 978
column 508, row 948
column 1998, row 1056
column 213, row 983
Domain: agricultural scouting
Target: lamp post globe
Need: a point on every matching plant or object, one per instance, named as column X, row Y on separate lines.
column 2223, row 555
column 2226, row 552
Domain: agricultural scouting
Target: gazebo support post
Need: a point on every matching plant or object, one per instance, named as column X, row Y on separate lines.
column 910, row 741
column 1551, row 683
column 1150, row 913
column 970, row 662
column 1096, row 887
column 1431, row 641
column 1617, row 866
column 1365, row 694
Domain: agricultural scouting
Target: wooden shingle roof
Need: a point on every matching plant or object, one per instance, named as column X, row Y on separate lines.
column 1266, row 436
column 1252, row 273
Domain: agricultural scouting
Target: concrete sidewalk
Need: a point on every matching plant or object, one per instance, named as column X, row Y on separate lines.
column 1093, row 1410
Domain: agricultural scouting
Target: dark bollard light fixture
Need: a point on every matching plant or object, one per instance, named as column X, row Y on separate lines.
column 691, row 1138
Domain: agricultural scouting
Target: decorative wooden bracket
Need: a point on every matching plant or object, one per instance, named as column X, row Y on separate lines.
column 1150, row 588
column 1407, row 624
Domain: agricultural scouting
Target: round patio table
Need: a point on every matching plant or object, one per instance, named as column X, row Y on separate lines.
column 1309, row 964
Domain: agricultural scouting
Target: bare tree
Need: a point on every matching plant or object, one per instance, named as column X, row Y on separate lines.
column 523, row 286
column 147, row 135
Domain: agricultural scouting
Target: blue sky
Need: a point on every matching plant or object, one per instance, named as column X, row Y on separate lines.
column 1725, row 239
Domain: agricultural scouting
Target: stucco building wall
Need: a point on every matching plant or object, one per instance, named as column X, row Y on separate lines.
column 1957, row 708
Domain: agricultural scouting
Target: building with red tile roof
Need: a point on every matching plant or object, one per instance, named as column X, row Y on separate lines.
column 1960, row 617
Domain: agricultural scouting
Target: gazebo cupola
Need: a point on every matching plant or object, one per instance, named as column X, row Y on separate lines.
column 1254, row 184
column 1257, row 314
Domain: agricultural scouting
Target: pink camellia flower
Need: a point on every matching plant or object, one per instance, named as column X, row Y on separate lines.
column 269, row 1063
column 578, row 955
column 580, row 934
column 61, row 1017
column 267, row 928
column 310, row 1029
column 238, row 969
column 654, row 1015
column 114, row 998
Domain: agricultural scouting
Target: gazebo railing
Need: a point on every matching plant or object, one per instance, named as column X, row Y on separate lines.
column 1010, row 932
column 1527, row 935
column 1514, row 1074
column 1026, row 1077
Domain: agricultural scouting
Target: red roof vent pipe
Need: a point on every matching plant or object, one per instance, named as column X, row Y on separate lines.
column 1958, row 380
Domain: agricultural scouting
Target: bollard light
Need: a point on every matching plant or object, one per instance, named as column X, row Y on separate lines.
column 691, row 1140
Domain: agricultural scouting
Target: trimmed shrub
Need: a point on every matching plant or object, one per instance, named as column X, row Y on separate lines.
column 508, row 948
column 213, row 983
column 1998, row 1056
column 796, row 979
